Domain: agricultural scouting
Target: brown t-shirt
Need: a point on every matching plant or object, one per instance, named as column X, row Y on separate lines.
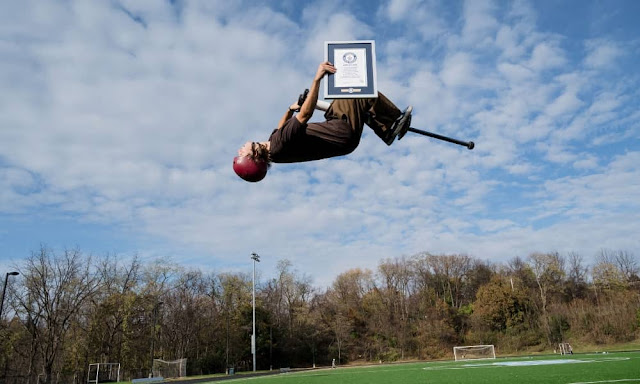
column 296, row 142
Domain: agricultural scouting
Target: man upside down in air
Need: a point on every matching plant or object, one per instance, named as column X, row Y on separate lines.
column 295, row 140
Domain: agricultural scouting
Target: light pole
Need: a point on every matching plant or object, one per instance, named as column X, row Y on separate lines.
column 4, row 290
column 255, row 257
column 153, row 335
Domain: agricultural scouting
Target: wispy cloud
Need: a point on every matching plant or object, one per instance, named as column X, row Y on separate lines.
column 602, row 53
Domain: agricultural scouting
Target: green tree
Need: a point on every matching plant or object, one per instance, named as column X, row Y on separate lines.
column 498, row 306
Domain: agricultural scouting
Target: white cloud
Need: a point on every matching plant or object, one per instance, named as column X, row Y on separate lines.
column 546, row 55
column 589, row 162
column 567, row 103
column 602, row 53
column 615, row 186
column 495, row 225
column 423, row 17
column 515, row 72
column 556, row 153
column 459, row 70
column 479, row 20
column 400, row 9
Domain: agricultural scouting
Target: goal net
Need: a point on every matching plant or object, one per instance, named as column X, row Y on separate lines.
column 471, row 352
column 565, row 349
column 174, row 368
column 103, row 373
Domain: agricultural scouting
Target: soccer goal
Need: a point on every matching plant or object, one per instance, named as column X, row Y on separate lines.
column 166, row 369
column 474, row 352
column 565, row 349
column 103, row 373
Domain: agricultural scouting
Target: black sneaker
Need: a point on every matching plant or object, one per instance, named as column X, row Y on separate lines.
column 400, row 127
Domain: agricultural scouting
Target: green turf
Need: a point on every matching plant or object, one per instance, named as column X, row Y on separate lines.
column 621, row 367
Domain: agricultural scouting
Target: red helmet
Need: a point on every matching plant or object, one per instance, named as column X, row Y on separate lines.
column 249, row 169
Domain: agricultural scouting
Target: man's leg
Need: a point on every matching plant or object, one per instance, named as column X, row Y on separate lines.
column 380, row 114
column 353, row 111
column 387, row 121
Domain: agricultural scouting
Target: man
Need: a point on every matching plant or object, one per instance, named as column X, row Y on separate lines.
column 295, row 140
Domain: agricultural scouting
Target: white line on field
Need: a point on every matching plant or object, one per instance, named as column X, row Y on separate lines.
column 606, row 381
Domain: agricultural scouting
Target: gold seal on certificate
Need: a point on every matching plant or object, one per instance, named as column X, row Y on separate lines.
column 355, row 63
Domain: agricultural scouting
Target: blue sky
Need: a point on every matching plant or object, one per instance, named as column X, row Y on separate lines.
column 119, row 121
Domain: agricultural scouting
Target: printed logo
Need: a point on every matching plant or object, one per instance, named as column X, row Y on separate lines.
column 349, row 57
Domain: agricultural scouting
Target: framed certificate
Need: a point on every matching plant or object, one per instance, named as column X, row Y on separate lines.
column 355, row 63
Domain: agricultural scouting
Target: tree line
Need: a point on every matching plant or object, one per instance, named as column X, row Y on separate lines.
column 67, row 310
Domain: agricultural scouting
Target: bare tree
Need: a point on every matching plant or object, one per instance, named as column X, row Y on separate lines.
column 185, row 307
column 233, row 295
column 347, row 296
column 548, row 269
column 576, row 276
column 607, row 276
column 396, row 280
column 624, row 261
column 55, row 289
column 450, row 271
column 111, row 307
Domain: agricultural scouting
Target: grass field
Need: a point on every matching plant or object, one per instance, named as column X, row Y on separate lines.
column 623, row 367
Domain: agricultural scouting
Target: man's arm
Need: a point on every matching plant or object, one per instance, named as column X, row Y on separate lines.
column 287, row 115
column 309, row 105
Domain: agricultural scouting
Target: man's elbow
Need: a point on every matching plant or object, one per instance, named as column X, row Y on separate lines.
column 304, row 116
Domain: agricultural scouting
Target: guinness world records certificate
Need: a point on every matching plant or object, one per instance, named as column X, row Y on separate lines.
column 355, row 63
